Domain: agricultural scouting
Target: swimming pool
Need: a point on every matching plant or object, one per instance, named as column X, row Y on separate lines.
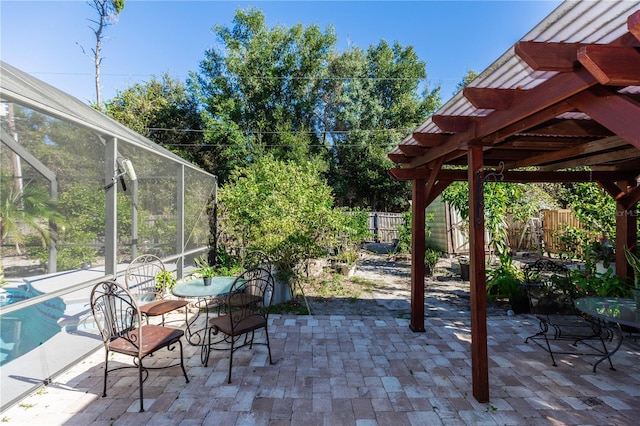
column 25, row 329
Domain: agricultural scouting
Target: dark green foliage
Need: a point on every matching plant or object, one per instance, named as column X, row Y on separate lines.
column 431, row 258
column 286, row 211
column 404, row 232
column 163, row 111
column 594, row 284
column 506, row 280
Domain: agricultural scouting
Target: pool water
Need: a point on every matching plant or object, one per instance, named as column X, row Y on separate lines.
column 24, row 330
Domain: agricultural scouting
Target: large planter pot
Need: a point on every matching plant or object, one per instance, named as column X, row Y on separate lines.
column 519, row 304
column 281, row 290
column 600, row 269
column 464, row 271
column 346, row 269
column 636, row 297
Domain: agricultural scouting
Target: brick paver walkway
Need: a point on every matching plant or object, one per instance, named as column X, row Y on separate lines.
column 353, row 370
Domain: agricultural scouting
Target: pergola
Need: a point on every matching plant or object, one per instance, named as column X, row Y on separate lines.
column 565, row 97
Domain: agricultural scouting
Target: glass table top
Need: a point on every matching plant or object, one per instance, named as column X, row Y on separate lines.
column 196, row 288
column 613, row 309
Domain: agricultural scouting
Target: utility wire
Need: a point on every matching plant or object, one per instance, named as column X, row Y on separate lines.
column 278, row 132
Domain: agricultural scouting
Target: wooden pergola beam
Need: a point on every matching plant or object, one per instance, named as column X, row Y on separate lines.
column 542, row 97
column 413, row 150
column 454, row 123
column 487, row 98
column 612, row 65
column 618, row 113
column 477, row 283
column 633, row 24
column 431, row 139
column 568, row 127
column 587, row 148
column 518, row 176
column 418, row 224
column 560, row 57
column 622, row 154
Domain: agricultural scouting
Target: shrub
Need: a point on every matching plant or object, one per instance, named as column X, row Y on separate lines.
column 431, row 258
column 285, row 210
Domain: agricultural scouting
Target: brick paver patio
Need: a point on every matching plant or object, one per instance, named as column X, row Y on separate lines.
column 352, row 370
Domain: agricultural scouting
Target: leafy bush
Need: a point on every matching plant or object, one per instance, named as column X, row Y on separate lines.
column 600, row 251
column 505, row 281
column 605, row 285
column 165, row 280
column 431, row 258
column 286, row 211
column 404, row 232
column 570, row 242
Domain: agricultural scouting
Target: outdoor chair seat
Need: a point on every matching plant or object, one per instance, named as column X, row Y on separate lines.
column 161, row 307
column 225, row 324
column 551, row 295
column 155, row 336
column 119, row 322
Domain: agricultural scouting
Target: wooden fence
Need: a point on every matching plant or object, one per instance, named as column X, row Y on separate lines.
column 543, row 233
column 384, row 226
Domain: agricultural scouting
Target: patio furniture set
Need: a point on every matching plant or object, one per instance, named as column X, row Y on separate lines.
column 592, row 322
column 242, row 304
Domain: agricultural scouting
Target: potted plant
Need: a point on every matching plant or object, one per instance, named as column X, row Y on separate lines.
column 505, row 281
column 601, row 253
column 205, row 270
column 464, row 268
column 346, row 262
column 165, row 281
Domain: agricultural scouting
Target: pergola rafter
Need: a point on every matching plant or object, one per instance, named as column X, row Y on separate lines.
column 546, row 106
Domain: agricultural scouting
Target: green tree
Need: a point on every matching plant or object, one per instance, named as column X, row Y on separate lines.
column 468, row 78
column 502, row 201
column 30, row 207
column 592, row 206
column 370, row 103
column 163, row 111
column 258, row 90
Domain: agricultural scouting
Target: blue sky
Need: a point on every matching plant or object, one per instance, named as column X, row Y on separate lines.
column 43, row 38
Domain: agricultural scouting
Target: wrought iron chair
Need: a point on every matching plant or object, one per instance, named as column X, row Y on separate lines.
column 248, row 305
column 119, row 322
column 140, row 279
column 551, row 296
column 249, row 260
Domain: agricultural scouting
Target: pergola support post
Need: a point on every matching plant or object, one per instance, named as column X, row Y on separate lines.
column 418, row 205
column 626, row 235
column 479, row 359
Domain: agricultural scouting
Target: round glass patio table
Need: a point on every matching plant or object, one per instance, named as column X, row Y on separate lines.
column 617, row 310
column 206, row 296
column 612, row 310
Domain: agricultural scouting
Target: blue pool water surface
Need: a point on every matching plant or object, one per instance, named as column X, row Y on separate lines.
column 23, row 330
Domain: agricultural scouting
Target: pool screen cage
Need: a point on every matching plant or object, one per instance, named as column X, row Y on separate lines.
column 83, row 194
column 105, row 193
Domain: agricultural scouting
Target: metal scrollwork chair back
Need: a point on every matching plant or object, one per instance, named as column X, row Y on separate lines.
column 551, row 294
column 248, row 305
column 140, row 279
column 119, row 322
